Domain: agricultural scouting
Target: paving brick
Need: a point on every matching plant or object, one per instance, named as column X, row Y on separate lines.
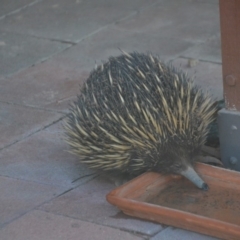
column 100, row 46
column 38, row 225
column 18, row 122
column 88, row 202
column 171, row 233
column 182, row 20
column 207, row 75
column 8, row 6
column 43, row 158
column 55, row 83
column 52, row 84
column 147, row 31
column 165, row 2
column 208, row 51
column 19, row 51
column 69, row 20
column 71, row 68
column 164, row 34
column 17, row 197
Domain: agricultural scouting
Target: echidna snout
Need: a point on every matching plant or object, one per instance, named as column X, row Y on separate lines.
column 179, row 161
column 191, row 175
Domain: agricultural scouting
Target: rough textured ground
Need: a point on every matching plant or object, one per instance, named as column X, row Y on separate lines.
column 47, row 48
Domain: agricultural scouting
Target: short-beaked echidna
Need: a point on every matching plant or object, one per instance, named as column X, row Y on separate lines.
column 137, row 114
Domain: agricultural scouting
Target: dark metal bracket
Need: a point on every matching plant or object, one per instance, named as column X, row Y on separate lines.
column 229, row 135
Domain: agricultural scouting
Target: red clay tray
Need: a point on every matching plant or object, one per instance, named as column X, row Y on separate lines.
column 174, row 200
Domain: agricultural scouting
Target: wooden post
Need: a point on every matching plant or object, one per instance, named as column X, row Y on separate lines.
column 230, row 39
column 229, row 117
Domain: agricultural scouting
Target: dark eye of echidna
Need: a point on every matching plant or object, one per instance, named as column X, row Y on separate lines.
column 137, row 114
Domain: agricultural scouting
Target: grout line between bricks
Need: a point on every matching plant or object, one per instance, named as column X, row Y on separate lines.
column 133, row 13
column 143, row 236
column 200, row 60
column 26, row 212
column 73, row 43
column 34, row 107
column 32, row 133
column 20, row 9
column 136, row 233
column 68, row 42
column 198, row 45
column 54, row 197
column 88, row 177
column 41, row 60
column 30, row 181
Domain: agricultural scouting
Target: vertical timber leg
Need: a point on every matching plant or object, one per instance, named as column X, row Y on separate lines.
column 229, row 118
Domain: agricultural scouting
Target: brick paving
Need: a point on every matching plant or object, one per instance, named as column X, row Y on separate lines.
column 47, row 49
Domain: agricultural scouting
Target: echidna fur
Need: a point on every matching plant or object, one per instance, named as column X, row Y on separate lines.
column 137, row 114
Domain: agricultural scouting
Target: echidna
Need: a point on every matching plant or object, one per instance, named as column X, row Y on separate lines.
column 137, row 114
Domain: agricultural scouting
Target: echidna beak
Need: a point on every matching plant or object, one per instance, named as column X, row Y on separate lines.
column 191, row 175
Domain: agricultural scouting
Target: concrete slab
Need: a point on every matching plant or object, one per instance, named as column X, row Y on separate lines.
column 19, row 51
column 18, row 122
column 70, row 20
column 209, row 51
column 38, row 225
column 43, row 158
column 207, row 75
column 88, row 203
column 180, row 234
column 8, row 6
column 18, row 197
